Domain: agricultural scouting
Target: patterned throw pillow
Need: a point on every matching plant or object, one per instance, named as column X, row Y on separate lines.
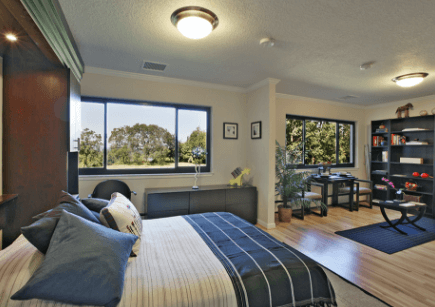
column 120, row 214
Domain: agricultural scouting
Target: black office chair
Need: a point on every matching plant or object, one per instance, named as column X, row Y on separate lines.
column 105, row 189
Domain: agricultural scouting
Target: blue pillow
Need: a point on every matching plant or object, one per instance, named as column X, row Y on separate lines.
column 85, row 265
column 95, row 204
column 39, row 233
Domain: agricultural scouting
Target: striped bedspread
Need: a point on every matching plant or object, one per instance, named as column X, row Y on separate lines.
column 195, row 261
column 265, row 272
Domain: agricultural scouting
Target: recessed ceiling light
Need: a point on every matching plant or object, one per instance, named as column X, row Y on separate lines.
column 410, row 79
column 194, row 22
column 11, row 37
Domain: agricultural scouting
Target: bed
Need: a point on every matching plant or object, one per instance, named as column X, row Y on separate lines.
column 210, row 259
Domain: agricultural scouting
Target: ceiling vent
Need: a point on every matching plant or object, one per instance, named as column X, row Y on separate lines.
column 154, row 66
column 349, row 97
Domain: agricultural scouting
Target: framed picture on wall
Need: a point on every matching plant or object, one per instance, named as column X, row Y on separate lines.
column 256, row 130
column 231, row 131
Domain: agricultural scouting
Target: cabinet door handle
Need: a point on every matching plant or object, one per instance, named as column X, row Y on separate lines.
column 78, row 143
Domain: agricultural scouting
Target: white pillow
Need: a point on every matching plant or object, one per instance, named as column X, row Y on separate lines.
column 120, row 214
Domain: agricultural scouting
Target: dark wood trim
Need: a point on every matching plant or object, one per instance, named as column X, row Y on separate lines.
column 21, row 15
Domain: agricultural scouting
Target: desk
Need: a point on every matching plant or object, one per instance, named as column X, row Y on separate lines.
column 335, row 180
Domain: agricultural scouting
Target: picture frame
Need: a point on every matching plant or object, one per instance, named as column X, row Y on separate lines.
column 231, row 131
column 256, row 130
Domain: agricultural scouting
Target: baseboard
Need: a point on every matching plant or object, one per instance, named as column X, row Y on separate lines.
column 266, row 225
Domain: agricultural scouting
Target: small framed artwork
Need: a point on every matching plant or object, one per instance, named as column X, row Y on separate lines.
column 256, row 130
column 231, row 131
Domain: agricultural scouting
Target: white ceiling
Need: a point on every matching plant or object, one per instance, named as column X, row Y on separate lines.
column 320, row 44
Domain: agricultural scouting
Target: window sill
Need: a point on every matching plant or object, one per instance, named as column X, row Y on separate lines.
column 142, row 176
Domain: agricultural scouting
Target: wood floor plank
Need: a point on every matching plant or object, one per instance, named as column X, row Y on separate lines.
column 403, row 279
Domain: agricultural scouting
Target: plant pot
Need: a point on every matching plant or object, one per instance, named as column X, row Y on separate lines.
column 285, row 214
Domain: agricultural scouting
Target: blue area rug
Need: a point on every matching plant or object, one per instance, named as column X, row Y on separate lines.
column 390, row 241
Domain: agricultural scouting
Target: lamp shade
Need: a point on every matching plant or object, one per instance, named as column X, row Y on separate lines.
column 410, row 79
column 194, row 22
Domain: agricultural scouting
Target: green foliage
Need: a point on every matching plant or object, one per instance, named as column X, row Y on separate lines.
column 139, row 144
column 320, row 141
column 91, row 153
column 289, row 182
column 196, row 139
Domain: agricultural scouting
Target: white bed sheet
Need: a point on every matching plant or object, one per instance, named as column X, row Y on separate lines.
column 174, row 268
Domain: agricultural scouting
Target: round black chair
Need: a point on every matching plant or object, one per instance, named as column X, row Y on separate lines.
column 105, row 189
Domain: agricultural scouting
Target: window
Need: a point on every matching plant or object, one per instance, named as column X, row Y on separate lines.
column 131, row 137
column 320, row 140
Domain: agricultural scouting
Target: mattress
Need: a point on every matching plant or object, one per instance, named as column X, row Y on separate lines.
column 211, row 259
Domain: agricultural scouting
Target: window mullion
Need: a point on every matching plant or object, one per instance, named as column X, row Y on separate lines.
column 176, row 139
column 105, row 137
column 303, row 142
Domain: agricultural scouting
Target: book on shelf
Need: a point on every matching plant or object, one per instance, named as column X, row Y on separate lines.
column 411, row 160
column 416, row 143
column 379, row 171
column 385, row 156
column 397, row 139
column 381, row 130
column 414, row 129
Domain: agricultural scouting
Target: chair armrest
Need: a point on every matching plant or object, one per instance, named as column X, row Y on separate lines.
column 366, row 181
column 134, row 192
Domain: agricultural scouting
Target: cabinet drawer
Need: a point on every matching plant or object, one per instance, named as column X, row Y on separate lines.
column 159, row 214
column 207, row 201
column 241, row 196
column 168, row 202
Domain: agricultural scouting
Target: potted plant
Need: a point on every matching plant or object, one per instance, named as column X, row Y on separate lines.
column 290, row 183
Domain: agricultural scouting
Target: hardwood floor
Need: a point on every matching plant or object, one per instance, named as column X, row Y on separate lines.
column 406, row 278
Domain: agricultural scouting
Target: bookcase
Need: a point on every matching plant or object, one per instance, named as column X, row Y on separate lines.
column 411, row 137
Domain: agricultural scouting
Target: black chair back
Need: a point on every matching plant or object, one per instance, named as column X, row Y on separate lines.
column 105, row 189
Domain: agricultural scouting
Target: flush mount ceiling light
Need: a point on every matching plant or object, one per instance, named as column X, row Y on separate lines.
column 11, row 37
column 194, row 22
column 410, row 79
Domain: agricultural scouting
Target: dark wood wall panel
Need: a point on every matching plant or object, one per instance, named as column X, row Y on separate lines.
column 35, row 133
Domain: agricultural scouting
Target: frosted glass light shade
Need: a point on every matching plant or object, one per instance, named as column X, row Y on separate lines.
column 194, row 27
column 194, row 22
column 410, row 79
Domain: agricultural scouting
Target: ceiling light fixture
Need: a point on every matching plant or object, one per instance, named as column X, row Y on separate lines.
column 410, row 79
column 194, row 22
column 267, row 42
column 11, row 37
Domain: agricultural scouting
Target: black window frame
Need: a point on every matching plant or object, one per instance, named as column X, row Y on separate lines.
column 337, row 140
column 177, row 169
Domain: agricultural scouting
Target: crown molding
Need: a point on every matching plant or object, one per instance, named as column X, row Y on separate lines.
column 335, row 103
column 138, row 76
column 405, row 101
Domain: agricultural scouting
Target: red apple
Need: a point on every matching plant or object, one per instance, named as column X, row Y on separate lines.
column 415, row 174
column 424, row 175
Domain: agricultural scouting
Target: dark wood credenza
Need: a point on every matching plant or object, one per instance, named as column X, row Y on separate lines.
column 165, row 202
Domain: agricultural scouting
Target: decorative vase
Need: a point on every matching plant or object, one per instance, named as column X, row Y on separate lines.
column 197, row 172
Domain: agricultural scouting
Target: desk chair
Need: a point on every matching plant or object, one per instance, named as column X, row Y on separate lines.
column 105, row 189
column 361, row 190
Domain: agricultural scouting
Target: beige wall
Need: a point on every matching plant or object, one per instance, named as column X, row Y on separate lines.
column 226, row 107
column 261, row 158
column 286, row 104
